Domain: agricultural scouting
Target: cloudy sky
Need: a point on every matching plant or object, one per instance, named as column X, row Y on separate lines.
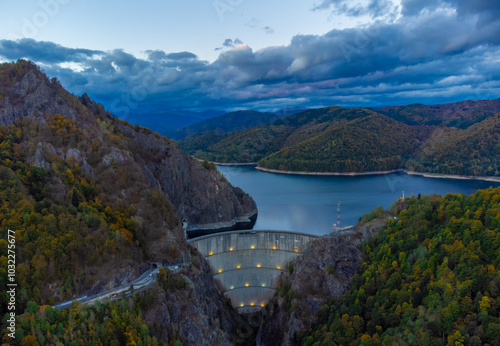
column 156, row 55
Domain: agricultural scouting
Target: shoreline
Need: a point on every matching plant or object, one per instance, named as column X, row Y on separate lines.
column 353, row 174
column 227, row 164
column 269, row 170
column 234, row 164
column 422, row 174
column 452, row 176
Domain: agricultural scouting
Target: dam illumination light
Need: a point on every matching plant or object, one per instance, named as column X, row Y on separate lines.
column 263, row 285
column 220, row 270
column 247, row 284
column 274, row 247
column 252, row 247
column 231, row 288
column 238, row 266
column 296, row 250
column 211, row 253
column 242, row 305
column 262, row 304
column 278, row 267
column 251, row 303
column 258, row 265
column 230, row 249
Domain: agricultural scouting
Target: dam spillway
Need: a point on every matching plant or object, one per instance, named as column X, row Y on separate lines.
column 247, row 264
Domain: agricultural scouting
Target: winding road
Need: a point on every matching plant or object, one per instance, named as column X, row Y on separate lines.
column 145, row 280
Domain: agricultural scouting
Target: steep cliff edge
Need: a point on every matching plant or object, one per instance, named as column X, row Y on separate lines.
column 324, row 270
column 202, row 196
column 188, row 306
column 94, row 200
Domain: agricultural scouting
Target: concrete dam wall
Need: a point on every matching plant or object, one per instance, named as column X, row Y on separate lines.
column 248, row 263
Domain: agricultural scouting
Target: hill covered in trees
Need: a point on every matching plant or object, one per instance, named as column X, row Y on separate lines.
column 356, row 146
column 430, row 276
column 459, row 138
column 92, row 201
column 471, row 151
column 253, row 144
column 459, row 114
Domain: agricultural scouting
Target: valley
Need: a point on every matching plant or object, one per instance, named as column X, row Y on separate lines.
column 96, row 203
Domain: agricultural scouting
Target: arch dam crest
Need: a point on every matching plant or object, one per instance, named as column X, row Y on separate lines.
column 247, row 264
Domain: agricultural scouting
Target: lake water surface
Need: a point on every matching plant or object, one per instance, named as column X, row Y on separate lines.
column 309, row 203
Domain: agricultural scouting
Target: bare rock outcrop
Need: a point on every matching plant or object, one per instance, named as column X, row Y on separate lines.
column 136, row 172
column 34, row 97
column 324, row 270
column 201, row 195
column 196, row 313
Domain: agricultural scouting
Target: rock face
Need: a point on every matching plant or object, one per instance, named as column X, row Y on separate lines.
column 133, row 169
column 33, row 97
column 326, row 269
column 195, row 313
column 201, row 196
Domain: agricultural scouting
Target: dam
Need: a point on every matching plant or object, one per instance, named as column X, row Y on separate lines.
column 247, row 264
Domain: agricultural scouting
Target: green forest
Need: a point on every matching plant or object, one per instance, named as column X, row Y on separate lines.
column 348, row 148
column 59, row 236
column 429, row 277
column 459, row 139
column 112, row 322
column 474, row 151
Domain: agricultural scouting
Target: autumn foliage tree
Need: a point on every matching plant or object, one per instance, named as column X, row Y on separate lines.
column 431, row 277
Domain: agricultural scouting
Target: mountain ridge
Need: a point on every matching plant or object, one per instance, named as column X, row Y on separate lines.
column 278, row 145
column 93, row 202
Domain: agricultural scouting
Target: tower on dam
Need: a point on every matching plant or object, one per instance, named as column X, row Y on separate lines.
column 247, row 264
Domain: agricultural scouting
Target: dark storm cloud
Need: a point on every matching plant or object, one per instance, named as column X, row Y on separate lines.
column 46, row 52
column 413, row 7
column 229, row 43
column 156, row 55
column 430, row 55
column 487, row 10
column 181, row 56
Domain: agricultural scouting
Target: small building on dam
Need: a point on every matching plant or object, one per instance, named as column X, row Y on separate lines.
column 247, row 264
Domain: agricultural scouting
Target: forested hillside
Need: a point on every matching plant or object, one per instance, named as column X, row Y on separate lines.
column 473, row 151
column 92, row 201
column 254, row 144
column 459, row 138
column 244, row 146
column 432, row 277
column 459, row 114
column 357, row 146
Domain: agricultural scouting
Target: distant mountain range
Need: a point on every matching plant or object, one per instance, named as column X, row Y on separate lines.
column 167, row 121
column 234, row 121
column 459, row 114
column 460, row 138
column 93, row 202
column 177, row 124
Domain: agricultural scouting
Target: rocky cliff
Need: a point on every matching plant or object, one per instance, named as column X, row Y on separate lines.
column 107, row 199
column 325, row 270
column 200, row 195
column 195, row 312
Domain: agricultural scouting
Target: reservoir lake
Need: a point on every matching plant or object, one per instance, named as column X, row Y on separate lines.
column 308, row 203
